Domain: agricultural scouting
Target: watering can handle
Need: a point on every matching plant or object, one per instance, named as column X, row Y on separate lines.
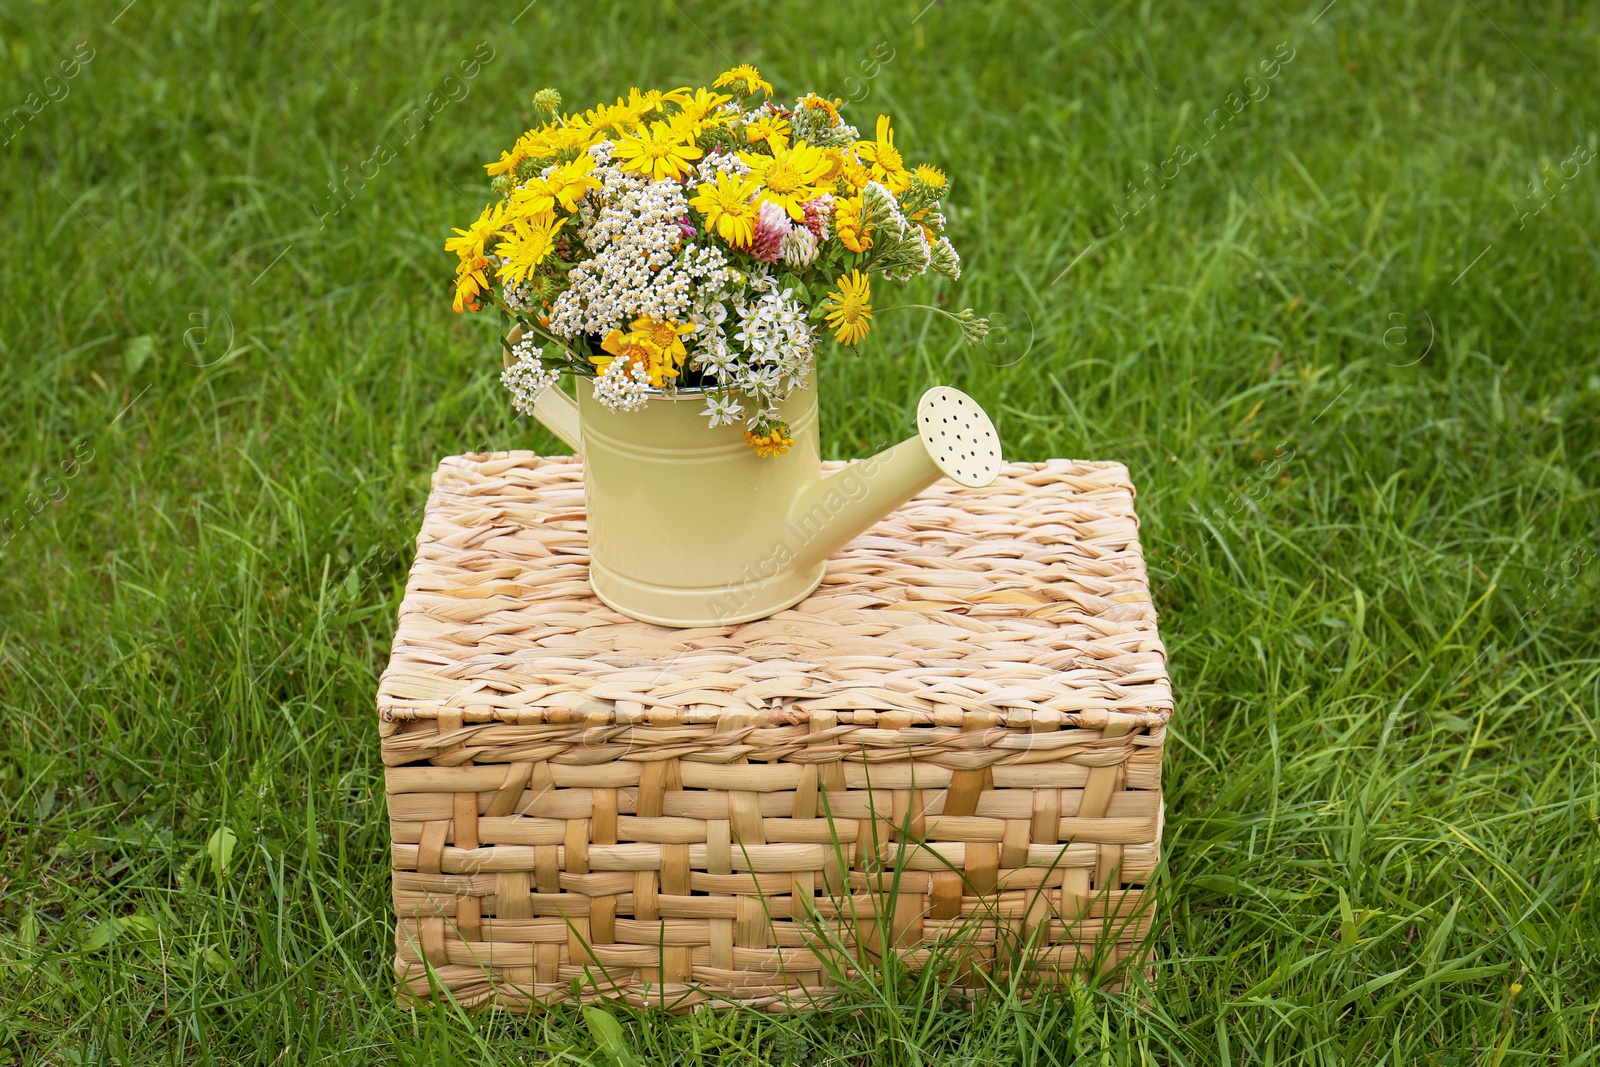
column 559, row 414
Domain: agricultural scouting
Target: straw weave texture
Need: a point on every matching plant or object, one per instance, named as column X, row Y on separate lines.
column 956, row 738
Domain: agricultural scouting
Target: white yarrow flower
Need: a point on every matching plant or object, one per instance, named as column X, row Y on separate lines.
column 527, row 377
column 622, row 386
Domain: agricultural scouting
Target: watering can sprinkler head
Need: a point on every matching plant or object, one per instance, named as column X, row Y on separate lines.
column 959, row 437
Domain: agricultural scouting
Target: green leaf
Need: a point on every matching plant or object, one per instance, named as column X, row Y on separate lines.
column 608, row 1034
column 137, row 352
column 1436, row 940
column 220, row 848
column 1227, row 885
column 1348, row 926
column 138, row 926
column 100, row 936
column 1371, row 986
column 792, row 281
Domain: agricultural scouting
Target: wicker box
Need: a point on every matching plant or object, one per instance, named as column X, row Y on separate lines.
column 957, row 736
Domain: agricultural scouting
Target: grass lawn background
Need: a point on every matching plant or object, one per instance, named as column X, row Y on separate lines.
column 1347, row 351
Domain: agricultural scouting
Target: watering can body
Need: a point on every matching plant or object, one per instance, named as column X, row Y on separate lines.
column 689, row 527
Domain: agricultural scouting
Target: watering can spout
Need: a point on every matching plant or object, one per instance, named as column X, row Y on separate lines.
column 954, row 438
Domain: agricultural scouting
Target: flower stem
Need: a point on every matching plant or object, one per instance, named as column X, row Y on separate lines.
column 573, row 361
column 973, row 329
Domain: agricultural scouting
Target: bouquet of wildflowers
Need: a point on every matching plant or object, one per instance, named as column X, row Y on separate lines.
column 697, row 240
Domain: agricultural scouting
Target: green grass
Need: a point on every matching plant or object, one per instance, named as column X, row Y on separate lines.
column 1360, row 399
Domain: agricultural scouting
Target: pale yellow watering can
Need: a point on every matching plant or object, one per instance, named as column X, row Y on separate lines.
column 689, row 527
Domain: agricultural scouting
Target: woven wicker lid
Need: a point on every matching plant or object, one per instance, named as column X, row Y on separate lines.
column 1021, row 603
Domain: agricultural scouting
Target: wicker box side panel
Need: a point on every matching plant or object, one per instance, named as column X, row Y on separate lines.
column 677, row 881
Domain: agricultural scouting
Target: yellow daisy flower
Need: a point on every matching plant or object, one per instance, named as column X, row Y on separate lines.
column 531, row 241
column 729, row 207
column 932, row 177
column 615, row 345
column 667, row 337
column 845, row 173
column 884, row 159
column 565, row 185
column 685, row 127
column 546, row 142
column 790, row 176
column 702, row 103
column 656, row 152
column 676, row 96
column 568, row 182
column 813, row 102
column 769, row 128
column 652, row 344
column 471, row 280
column 850, row 309
column 608, row 120
column 469, row 245
column 854, row 233
column 744, row 80
column 645, row 103
column 632, row 350
column 573, row 137
column 578, row 135
column 533, row 199
column 523, row 150
column 508, row 161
